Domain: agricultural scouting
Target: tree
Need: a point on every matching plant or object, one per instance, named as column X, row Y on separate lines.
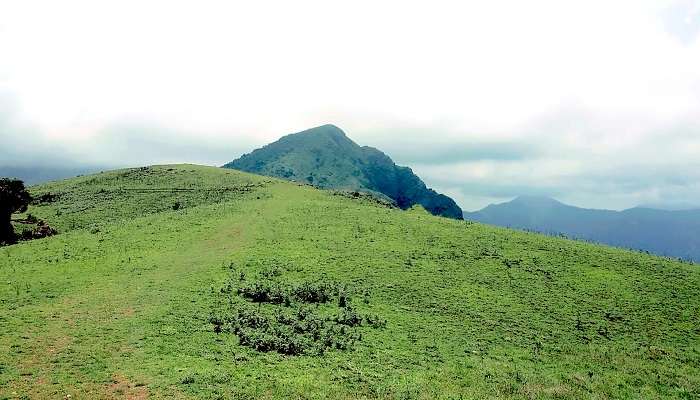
column 14, row 197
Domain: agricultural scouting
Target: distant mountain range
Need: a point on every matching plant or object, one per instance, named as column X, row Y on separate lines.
column 40, row 174
column 327, row 158
column 663, row 232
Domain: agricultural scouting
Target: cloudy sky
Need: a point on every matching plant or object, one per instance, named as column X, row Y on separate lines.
column 596, row 103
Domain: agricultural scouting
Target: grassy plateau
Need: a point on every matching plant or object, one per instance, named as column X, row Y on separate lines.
column 185, row 281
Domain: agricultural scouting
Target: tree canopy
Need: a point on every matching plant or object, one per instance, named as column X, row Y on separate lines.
column 14, row 198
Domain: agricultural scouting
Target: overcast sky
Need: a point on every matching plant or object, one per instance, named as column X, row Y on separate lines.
column 596, row 103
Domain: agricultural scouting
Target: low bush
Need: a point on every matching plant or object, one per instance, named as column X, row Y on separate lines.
column 349, row 317
column 314, row 292
column 40, row 230
column 264, row 291
column 268, row 314
column 45, row 198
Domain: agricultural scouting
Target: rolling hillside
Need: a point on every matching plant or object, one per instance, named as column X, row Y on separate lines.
column 134, row 299
column 327, row 158
column 663, row 232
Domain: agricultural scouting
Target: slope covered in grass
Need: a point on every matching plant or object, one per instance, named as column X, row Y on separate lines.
column 123, row 309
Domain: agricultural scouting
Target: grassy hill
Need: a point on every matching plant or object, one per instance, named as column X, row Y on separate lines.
column 325, row 157
column 121, row 303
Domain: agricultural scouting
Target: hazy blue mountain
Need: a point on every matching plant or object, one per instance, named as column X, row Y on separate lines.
column 326, row 157
column 40, row 174
column 672, row 206
column 663, row 232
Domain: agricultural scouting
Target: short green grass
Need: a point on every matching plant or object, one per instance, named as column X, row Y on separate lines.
column 118, row 305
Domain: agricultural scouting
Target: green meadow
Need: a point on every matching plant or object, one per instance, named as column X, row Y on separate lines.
column 120, row 304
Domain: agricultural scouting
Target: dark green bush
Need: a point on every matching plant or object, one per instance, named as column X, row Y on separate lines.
column 273, row 315
column 343, row 298
column 314, row 292
column 27, row 234
column 349, row 317
column 265, row 291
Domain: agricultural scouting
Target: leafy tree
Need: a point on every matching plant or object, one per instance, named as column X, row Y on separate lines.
column 14, row 197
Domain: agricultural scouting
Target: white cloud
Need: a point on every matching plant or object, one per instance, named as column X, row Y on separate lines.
column 587, row 79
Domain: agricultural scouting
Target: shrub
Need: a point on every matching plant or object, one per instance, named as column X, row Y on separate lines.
column 256, row 331
column 250, row 319
column 264, row 292
column 41, row 230
column 349, row 317
column 343, row 298
column 314, row 292
column 188, row 379
column 256, row 315
column 272, row 272
column 26, row 234
column 45, row 198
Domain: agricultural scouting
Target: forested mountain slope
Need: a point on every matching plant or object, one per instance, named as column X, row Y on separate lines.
column 327, row 158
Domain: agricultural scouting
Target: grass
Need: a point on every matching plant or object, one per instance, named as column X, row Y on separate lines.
column 119, row 303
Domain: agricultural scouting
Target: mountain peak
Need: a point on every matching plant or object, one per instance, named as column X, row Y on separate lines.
column 325, row 157
column 331, row 127
column 327, row 129
column 315, row 139
column 536, row 200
